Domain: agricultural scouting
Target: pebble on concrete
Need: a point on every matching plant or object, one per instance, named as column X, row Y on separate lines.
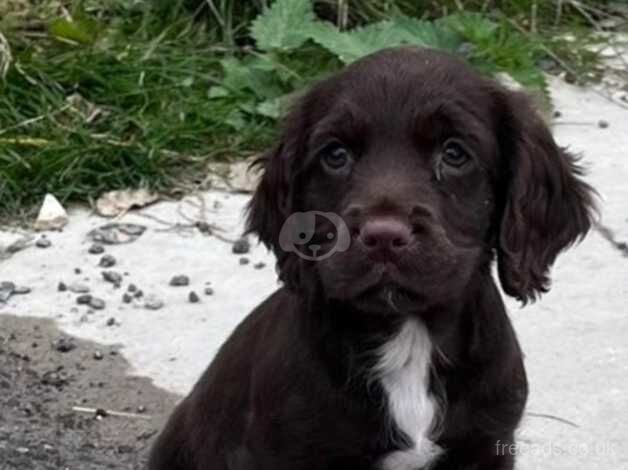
column 112, row 277
column 84, row 299
column 241, row 246
column 77, row 288
column 193, row 297
column 152, row 303
column 43, row 243
column 107, row 261
column 63, row 344
column 180, row 280
column 96, row 303
column 96, row 249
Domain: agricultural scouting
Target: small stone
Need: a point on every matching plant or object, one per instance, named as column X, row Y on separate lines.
column 180, row 280
column 78, row 288
column 84, row 299
column 141, row 409
column 209, row 291
column 259, row 265
column 96, row 249
column 100, row 414
column 127, row 298
column 61, row 287
column 138, row 294
column 557, row 114
column 77, row 271
column 241, row 246
column 22, row 290
column 63, row 344
column 624, row 98
column 107, row 261
column 6, row 290
column 131, row 288
column 98, row 355
column 602, row 124
column 53, row 378
column 112, row 277
column 96, row 303
column 43, row 243
column 244, row 260
column 111, row 321
column 193, row 298
column 152, row 303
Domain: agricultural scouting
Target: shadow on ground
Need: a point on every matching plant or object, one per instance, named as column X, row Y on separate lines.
column 40, row 385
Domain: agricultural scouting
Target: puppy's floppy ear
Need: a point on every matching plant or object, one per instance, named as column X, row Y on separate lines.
column 547, row 207
column 273, row 200
column 269, row 206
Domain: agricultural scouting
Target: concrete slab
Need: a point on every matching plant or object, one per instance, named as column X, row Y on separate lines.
column 575, row 338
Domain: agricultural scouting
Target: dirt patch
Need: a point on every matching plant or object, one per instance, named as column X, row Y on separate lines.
column 40, row 385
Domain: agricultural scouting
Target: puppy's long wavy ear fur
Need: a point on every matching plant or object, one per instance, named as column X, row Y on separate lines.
column 547, row 205
column 273, row 200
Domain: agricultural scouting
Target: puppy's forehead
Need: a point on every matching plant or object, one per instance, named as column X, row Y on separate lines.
column 405, row 93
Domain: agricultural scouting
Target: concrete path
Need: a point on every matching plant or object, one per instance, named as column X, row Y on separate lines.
column 575, row 338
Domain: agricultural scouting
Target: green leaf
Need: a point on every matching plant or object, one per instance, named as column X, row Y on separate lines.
column 251, row 75
column 427, row 34
column 270, row 108
column 351, row 45
column 473, row 27
column 283, row 26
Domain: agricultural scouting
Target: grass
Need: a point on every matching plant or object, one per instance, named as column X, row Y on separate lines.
column 100, row 95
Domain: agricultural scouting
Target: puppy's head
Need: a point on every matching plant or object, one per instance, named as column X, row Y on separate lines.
column 395, row 182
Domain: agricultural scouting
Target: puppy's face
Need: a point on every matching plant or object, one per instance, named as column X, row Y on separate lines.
column 408, row 161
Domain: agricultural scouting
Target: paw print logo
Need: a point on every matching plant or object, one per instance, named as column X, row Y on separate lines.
column 314, row 235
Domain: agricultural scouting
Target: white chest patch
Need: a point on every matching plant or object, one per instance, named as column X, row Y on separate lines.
column 403, row 369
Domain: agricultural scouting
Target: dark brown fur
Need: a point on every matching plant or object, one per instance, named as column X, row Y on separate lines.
column 291, row 390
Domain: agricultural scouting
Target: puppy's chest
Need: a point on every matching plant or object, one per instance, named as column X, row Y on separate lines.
column 403, row 369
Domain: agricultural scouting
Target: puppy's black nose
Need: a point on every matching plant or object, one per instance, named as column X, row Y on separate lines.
column 385, row 237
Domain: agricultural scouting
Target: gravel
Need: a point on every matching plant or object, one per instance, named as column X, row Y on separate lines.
column 193, row 297
column 107, row 261
column 180, row 280
column 43, row 242
column 113, row 277
column 97, row 304
column 63, row 344
column 209, row 291
column 602, row 124
column 241, row 246
column 84, row 299
column 77, row 288
column 244, row 261
column 152, row 303
column 62, row 287
column 96, row 249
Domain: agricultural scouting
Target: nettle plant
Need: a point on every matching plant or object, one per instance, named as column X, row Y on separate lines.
column 293, row 48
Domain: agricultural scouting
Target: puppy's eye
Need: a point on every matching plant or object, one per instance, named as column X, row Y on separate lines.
column 336, row 157
column 454, row 154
